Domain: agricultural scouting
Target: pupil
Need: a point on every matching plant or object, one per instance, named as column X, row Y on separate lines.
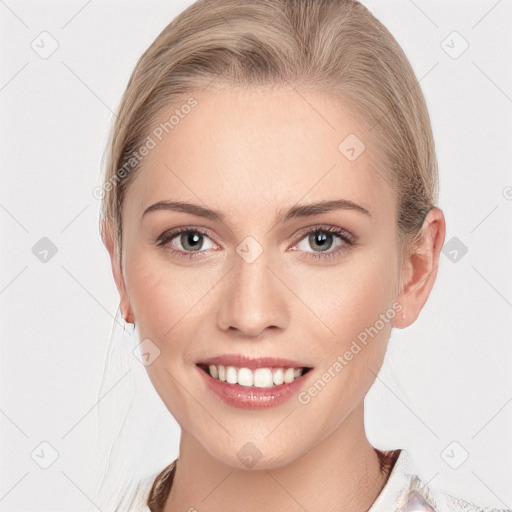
column 185, row 238
column 322, row 240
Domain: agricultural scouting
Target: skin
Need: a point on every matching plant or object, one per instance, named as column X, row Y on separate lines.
column 250, row 154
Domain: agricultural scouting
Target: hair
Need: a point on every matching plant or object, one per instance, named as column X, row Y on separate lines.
column 336, row 46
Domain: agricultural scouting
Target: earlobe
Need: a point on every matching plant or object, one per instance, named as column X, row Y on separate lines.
column 107, row 236
column 420, row 269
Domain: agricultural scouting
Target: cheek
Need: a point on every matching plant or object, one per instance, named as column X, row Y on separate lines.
column 164, row 304
column 168, row 301
column 354, row 301
column 157, row 295
column 341, row 300
column 348, row 297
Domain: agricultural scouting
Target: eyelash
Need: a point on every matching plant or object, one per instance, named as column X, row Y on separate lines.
column 346, row 237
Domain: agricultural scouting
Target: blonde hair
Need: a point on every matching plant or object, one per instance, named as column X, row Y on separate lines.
column 336, row 46
column 333, row 45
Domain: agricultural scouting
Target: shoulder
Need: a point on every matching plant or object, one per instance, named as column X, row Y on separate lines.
column 406, row 492
column 403, row 492
column 458, row 504
column 432, row 499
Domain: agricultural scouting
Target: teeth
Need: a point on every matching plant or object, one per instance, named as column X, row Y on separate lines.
column 231, row 375
column 263, row 378
column 278, row 376
column 213, row 371
column 289, row 375
column 245, row 377
column 259, row 378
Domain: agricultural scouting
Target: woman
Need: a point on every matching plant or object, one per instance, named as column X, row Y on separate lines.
column 270, row 215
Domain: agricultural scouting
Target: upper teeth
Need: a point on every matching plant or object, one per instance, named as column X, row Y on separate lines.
column 259, row 378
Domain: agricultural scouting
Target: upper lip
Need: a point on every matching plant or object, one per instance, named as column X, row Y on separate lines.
column 241, row 361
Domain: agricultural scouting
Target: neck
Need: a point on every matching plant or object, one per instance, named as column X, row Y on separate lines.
column 341, row 472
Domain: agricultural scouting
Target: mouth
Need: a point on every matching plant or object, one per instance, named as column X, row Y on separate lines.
column 255, row 377
column 249, row 382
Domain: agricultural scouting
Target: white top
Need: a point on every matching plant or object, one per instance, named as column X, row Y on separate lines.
column 403, row 492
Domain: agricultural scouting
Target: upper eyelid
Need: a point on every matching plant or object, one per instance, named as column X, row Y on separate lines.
column 333, row 230
column 171, row 234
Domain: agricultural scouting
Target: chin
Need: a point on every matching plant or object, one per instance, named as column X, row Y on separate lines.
column 255, row 455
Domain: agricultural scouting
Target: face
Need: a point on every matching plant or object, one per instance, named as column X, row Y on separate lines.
column 254, row 281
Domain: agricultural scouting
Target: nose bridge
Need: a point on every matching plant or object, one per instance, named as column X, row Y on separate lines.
column 254, row 299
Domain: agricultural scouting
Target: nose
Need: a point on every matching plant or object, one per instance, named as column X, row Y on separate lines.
column 254, row 300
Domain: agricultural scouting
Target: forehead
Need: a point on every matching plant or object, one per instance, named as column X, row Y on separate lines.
column 253, row 149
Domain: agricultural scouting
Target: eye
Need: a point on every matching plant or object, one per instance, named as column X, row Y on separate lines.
column 185, row 242
column 326, row 242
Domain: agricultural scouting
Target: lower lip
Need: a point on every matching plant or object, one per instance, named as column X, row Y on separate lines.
column 250, row 397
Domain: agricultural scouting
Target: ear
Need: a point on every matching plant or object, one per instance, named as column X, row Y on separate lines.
column 107, row 236
column 419, row 271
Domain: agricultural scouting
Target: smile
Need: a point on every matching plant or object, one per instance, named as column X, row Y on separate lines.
column 258, row 387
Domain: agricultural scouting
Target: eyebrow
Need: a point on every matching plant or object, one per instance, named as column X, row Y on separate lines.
column 294, row 212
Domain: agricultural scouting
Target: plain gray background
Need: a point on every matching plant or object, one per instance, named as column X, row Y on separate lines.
column 445, row 392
